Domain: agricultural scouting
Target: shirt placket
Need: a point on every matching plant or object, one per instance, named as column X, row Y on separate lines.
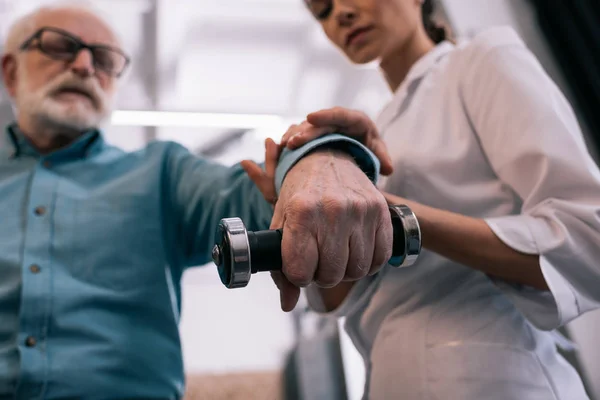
column 36, row 286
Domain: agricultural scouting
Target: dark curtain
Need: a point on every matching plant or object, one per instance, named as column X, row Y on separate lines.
column 572, row 29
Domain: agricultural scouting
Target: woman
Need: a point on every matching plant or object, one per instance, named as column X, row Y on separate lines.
column 488, row 154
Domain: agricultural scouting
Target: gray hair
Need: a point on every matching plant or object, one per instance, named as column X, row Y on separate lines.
column 24, row 26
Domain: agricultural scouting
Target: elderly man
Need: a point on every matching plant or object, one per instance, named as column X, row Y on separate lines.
column 94, row 241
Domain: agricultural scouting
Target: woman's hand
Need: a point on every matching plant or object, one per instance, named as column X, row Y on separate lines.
column 340, row 120
column 264, row 179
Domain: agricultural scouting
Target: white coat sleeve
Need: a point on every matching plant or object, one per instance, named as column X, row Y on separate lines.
column 532, row 139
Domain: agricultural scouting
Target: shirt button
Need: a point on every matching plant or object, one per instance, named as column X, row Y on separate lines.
column 40, row 210
column 35, row 269
column 30, row 341
column 47, row 164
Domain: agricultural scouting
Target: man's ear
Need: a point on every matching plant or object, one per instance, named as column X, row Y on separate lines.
column 9, row 73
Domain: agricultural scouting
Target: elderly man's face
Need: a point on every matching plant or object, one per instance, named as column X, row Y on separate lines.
column 70, row 94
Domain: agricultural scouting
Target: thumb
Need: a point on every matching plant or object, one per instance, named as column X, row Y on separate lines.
column 259, row 177
column 254, row 171
column 288, row 294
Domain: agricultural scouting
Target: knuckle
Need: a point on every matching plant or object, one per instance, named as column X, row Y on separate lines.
column 328, row 278
column 290, row 131
column 301, row 207
column 359, row 271
column 326, row 284
column 388, row 246
column 380, row 257
column 375, row 269
column 330, row 270
column 384, row 249
column 310, row 131
column 334, row 205
column 298, row 276
column 337, row 112
column 380, row 208
column 359, row 205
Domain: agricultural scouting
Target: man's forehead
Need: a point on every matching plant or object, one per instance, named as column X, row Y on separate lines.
column 81, row 23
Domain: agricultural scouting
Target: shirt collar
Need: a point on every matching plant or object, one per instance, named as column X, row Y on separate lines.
column 427, row 62
column 13, row 144
column 418, row 71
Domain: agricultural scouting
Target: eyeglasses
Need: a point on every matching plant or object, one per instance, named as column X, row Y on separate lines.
column 320, row 9
column 61, row 45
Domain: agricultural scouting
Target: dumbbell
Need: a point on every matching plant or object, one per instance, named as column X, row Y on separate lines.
column 239, row 253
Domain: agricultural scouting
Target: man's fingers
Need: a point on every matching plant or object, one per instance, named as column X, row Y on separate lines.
column 288, row 295
column 276, row 277
column 360, row 256
column 333, row 242
column 384, row 238
column 299, row 256
column 299, row 251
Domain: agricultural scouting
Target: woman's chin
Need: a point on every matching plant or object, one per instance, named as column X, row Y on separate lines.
column 365, row 54
column 363, row 57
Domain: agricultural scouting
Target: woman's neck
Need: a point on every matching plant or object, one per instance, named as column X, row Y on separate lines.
column 397, row 64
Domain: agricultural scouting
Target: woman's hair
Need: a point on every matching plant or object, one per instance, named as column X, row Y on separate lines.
column 435, row 32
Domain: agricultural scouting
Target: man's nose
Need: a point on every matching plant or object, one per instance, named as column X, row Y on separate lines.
column 83, row 64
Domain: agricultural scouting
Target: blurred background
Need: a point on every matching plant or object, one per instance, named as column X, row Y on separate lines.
column 220, row 76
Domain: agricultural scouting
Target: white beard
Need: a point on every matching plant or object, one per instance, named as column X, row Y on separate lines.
column 46, row 111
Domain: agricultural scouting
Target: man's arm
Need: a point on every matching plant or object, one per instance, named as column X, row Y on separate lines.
column 333, row 215
column 320, row 299
column 200, row 193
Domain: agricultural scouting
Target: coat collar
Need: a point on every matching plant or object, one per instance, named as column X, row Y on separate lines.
column 414, row 77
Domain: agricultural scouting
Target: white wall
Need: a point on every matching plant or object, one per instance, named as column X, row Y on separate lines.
column 232, row 330
column 470, row 16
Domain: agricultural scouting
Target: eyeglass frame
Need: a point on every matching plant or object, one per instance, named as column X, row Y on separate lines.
column 81, row 45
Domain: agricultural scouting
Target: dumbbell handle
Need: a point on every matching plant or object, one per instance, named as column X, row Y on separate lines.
column 265, row 250
column 239, row 253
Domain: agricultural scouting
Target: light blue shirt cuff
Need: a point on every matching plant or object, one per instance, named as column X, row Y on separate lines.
column 364, row 158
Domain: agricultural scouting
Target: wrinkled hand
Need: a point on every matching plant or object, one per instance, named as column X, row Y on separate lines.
column 336, row 223
column 265, row 181
column 352, row 123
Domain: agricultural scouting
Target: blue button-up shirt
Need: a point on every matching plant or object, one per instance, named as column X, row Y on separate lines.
column 93, row 244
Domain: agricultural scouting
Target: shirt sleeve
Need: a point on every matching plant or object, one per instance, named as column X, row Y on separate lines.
column 363, row 157
column 203, row 192
column 532, row 139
